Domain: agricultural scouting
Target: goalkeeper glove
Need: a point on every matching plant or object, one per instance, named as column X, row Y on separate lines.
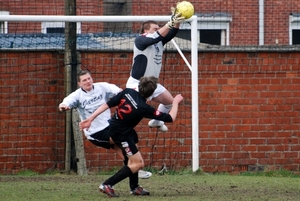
column 173, row 11
column 175, row 19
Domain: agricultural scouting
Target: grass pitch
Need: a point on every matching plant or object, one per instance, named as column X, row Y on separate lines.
column 183, row 187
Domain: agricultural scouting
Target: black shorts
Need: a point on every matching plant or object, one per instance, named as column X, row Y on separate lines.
column 101, row 139
column 127, row 142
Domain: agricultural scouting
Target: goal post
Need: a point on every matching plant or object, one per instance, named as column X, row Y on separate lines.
column 193, row 47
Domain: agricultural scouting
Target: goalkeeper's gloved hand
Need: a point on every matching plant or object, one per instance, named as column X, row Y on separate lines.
column 173, row 10
column 175, row 19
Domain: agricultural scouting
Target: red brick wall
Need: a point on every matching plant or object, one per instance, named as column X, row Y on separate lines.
column 248, row 111
column 277, row 20
column 31, row 135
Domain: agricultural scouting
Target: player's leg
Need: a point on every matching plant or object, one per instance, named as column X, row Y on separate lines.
column 142, row 174
column 164, row 97
column 107, row 186
column 135, row 163
column 102, row 139
column 132, row 83
column 134, row 186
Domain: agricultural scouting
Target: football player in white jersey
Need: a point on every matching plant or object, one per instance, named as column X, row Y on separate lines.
column 86, row 100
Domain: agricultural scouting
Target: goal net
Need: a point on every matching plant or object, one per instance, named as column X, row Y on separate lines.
column 38, row 51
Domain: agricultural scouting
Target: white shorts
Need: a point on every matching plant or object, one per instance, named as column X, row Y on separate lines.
column 134, row 84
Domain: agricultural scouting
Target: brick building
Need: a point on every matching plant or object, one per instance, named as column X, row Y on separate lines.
column 249, row 86
column 232, row 22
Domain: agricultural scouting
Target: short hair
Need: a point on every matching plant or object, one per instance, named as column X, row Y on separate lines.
column 147, row 86
column 146, row 25
column 81, row 73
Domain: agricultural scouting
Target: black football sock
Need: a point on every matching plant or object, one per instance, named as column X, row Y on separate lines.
column 134, row 180
column 123, row 173
column 126, row 160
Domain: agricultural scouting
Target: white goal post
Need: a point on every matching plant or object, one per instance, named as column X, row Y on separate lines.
column 194, row 56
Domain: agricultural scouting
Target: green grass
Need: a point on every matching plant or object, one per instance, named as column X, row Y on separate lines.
column 277, row 173
column 171, row 186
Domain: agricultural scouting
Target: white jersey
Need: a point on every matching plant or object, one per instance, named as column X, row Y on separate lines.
column 147, row 56
column 87, row 102
column 148, row 53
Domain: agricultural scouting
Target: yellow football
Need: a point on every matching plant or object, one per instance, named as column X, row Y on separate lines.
column 185, row 8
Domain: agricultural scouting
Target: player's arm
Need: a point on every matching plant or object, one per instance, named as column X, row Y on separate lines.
column 171, row 28
column 114, row 101
column 173, row 112
column 173, row 23
column 142, row 42
column 163, row 34
column 163, row 31
column 166, row 117
column 63, row 107
column 172, row 33
column 69, row 102
column 87, row 122
column 112, row 91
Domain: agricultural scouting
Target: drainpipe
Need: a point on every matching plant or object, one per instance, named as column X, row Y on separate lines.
column 261, row 30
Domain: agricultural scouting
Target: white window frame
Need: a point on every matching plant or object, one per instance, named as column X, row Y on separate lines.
column 4, row 24
column 212, row 22
column 294, row 25
column 46, row 25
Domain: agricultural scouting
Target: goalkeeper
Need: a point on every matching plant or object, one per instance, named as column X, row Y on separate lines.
column 147, row 60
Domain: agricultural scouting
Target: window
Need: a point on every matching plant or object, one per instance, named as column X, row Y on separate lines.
column 296, row 37
column 4, row 24
column 212, row 29
column 57, row 27
column 211, row 36
column 294, row 31
column 116, row 7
